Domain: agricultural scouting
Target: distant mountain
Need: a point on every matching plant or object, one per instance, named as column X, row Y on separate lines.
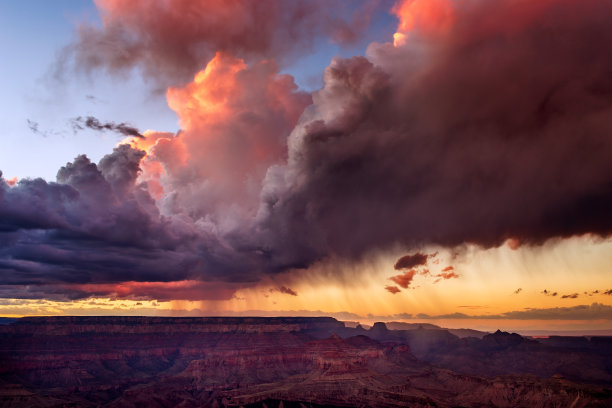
column 461, row 333
column 410, row 326
column 428, row 326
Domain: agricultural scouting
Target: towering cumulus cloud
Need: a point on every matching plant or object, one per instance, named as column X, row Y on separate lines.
column 235, row 119
column 479, row 122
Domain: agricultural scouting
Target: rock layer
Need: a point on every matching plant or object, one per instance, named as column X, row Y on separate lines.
column 255, row 362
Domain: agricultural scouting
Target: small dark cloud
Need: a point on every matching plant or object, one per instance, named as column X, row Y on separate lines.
column 570, row 296
column 392, row 289
column 284, row 289
column 90, row 122
column 34, row 127
column 94, row 99
column 519, row 290
column 417, row 261
column 608, row 292
column 411, row 261
column 548, row 293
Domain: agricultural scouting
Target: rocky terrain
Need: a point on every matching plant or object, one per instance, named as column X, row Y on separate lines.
column 290, row 362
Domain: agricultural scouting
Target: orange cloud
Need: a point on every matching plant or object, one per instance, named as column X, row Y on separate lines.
column 234, row 120
column 175, row 290
column 404, row 279
column 152, row 168
column 513, row 243
column 392, row 289
column 428, row 17
column 209, row 95
column 446, row 275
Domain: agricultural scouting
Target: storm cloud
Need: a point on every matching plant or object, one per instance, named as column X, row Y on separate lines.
column 488, row 127
column 96, row 226
column 486, row 123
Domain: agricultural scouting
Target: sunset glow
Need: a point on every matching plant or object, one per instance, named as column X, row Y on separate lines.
column 427, row 17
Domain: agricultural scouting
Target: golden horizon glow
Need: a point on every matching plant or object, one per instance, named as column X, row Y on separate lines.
column 487, row 286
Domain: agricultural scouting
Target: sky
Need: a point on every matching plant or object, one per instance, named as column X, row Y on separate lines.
column 444, row 161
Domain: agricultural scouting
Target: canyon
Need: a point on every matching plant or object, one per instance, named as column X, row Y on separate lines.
column 291, row 362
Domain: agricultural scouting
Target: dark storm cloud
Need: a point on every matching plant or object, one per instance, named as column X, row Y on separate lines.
column 90, row 122
column 96, row 225
column 497, row 128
